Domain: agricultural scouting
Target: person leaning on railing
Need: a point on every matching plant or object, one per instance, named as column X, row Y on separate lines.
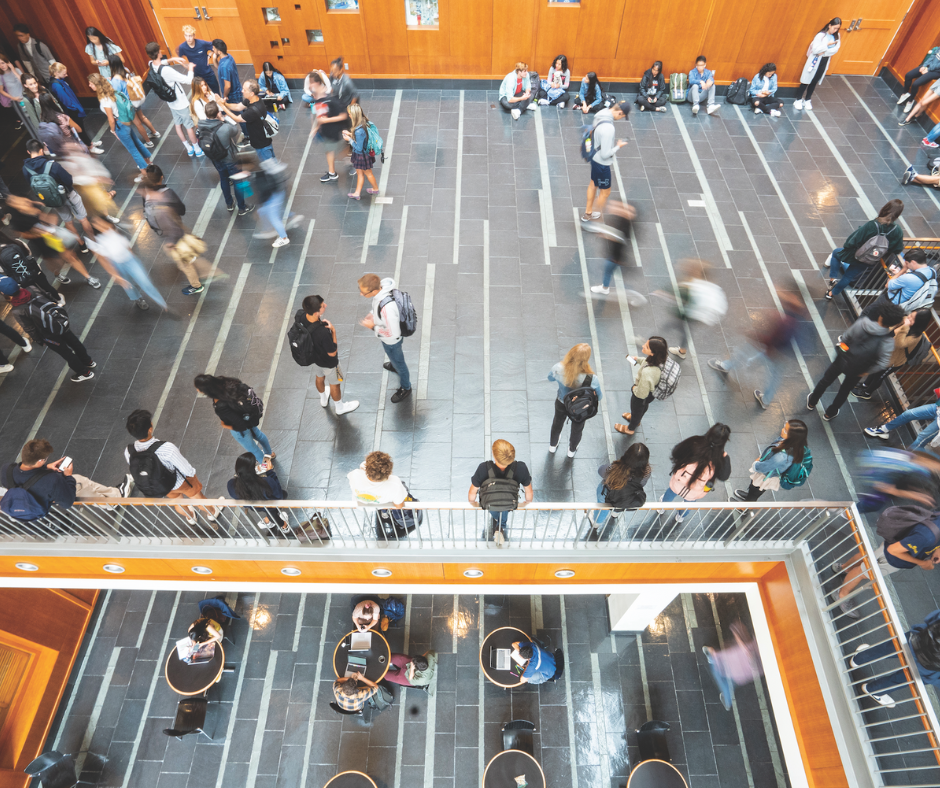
column 844, row 267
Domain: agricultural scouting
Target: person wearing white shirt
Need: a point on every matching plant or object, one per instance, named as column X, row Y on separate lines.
column 180, row 105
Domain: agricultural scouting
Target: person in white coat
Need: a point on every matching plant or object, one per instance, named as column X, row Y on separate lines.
column 824, row 46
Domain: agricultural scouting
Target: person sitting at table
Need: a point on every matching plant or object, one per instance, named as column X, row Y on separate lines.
column 367, row 614
column 353, row 693
column 205, row 630
column 537, row 663
column 417, row 671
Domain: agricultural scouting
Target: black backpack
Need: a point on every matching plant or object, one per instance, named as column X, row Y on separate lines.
column 394, row 524
column 496, row 494
column 151, row 476
column 630, row 496
column 18, row 263
column 159, row 85
column 250, row 406
column 211, row 145
column 581, row 403
column 737, row 92
column 301, row 344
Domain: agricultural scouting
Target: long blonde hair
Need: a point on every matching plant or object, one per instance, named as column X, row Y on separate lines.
column 357, row 116
column 102, row 86
column 576, row 363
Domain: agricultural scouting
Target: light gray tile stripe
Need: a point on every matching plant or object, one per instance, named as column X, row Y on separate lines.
column 734, row 702
column 646, row 688
column 79, row 677
column 840, row 460
column 625, row 318
column 600, row 717
column 572, row 744
column 544, row 220
column 773, row 180
column 718, row 225
column 157, row 676
column 313, row 699
column 688, row 610
column 228, row 319
column 769, row 735
column 401, row 696
column 96, row 711
column 297, row 178
column 424, row 361
column 486, row 332
column 595, row 346
column 374, row 222
column 458, row 186
column 289, row 309
column 454, row 622
column 301, row 609
column 227, row 744
column 829, row 237
column 258, row 743
column 430, row 735
column 143, row 629
column 545, row 193
column 813, row 311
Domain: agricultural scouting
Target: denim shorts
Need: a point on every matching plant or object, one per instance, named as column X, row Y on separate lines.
column 600, row 174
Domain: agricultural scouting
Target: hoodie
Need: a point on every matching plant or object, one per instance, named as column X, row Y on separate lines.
column 870, row 344
column 604, row 137
column 387, row 321
column 226, row 134
column 33, row 166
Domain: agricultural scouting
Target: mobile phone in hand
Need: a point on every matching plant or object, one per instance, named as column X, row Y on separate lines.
column 632, row 361
column 65, row 463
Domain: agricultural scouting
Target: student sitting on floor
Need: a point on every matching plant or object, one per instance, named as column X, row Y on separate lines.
column 762, row 91
column 911, row 177
column 556, row 86
column 590, row 97
column 653, row 86
column 515, row 92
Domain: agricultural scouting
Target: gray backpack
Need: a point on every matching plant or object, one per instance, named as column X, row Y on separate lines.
column 499, row 495
column 897, row 521
column 874, row 249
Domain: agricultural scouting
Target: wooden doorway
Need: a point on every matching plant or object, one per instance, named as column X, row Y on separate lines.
column 219, row 19
column 867, row 32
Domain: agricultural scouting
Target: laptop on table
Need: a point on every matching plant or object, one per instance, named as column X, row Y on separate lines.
column 499, row 658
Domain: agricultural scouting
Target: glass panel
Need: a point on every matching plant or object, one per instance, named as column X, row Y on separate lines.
column 421, row 13
column 342, row 5
column 271, row 16
column 314, row 36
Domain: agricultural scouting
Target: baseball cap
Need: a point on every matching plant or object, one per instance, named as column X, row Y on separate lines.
column 8, row 287
column 624, row 107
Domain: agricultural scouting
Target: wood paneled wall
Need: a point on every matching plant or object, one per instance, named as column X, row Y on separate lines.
column 61, row 24
column 918, row 34
column 51, row 624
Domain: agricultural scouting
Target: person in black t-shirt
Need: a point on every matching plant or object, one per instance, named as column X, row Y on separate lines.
column 329, row 120
column 252, row 111
column 504, row 461
column 325, row 359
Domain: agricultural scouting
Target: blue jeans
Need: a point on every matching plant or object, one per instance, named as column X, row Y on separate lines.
column 924, row 412
column 725, row 685
column 933, row 133
column 747, row 355
column 846, row 273
column 132, row 142
column 609, row 267
column 272, row 211
column 892, row 680
column 247, row 440
column 601, row 516
column 134, row 273
column 265, row 153
column 396, row 354
column 226, row 170
column 669, row 495
column 307, row 99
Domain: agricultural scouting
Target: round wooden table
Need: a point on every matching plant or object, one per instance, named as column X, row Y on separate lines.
column 656, row 774
column 504, row 767
column 503, row 637
column 195, row 679
column 351, row 780
column 377, row 657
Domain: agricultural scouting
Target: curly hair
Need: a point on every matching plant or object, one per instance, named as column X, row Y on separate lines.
column 378, row 466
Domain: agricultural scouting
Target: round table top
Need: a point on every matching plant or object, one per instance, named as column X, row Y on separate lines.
column 503, row 637
column 194, row 679
column 351, row 780
column 656, row 774
column 504, row 767
column 377, row 657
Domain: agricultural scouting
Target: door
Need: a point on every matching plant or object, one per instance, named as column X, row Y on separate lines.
column 866, row 35
column 212, row 20
column 225, row 23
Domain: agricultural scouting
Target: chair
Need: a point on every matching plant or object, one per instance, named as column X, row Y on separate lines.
column 221, row 613
column 340, row 710
column 517, row 735
column 190, row 718
column 54, row 770
column 559, row 665
column 651, row 739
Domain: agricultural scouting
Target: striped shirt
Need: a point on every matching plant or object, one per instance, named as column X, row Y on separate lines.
column 356, row 702
column 171, row 458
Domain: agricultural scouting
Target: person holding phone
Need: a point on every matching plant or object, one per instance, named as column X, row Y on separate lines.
column 515, row 92
column 646, row 374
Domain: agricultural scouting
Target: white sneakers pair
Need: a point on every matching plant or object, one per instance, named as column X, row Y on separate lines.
column 339, row 407
column 801, row 104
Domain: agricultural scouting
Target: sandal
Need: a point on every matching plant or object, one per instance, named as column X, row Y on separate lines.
column 626, row 416
column 624, row 430
column 372, row 191
column 353, row 196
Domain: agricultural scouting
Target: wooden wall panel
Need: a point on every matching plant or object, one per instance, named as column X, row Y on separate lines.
column 512, row 33
column 919, row 32
column 385, row 27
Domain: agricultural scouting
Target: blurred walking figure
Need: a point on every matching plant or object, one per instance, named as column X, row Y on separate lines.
column 270, row 184
column 767, row 344
column 734, row 666
column 117, row 256
column 616, row 230
column 699, row 300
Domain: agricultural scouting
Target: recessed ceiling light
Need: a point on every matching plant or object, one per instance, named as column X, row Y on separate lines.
column 290, row 571
column 564, row 573
column 202, row 570
column 27, row 567
column 382, row 572
column 473, row 573
column 114, row 569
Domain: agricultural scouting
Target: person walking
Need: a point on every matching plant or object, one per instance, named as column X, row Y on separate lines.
column 330, row 120
column 219, row 138
column 198, row 54
column 181, row 246
column 130, row 85
column 160, row 70
column 14, row 336
column 616, row 229
column 34, row 54
column 845, row 265
column 120, row 121
column 116, row 254
column 823, row 46
column 362, row 158
column 702, row 83
column 47, row 325
column 605, row 149
column 100, row 49
column 62, row 91
column 497, row 484
column 252, row 482
column 515, row 91
column 252, row 113
column 313, row 343
column 161, row 471
column 239, row 410
column 576, row 381
column 911, row 346
column 646, row 375
column 271, row 178
column 696, row 463
column 776, row 461
column 865, row 347
column 734, row 666
column 622, row 484
column 384, row 320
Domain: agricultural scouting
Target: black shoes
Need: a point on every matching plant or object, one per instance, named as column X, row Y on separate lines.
column 388, row 365
column 401, row 394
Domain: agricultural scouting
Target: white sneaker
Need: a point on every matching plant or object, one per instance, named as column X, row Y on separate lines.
column 775, row 113
column 678, row 351
column 6, row 368
column 695, row 109
column 324, row 397
column 852, row 661
column 908, row 107
column 807, row 104
column 904, row 97
column 498, row 539
column 758, row 111
column 543, row 102
column 515, row 114
column 600, row 289
column 281, row 242
column 571, row 453
column 798, row 104
column 713, row 108
column 346, row 407
column 560, row 105
column 552, row 449
column 884, row 700
column 29, row 345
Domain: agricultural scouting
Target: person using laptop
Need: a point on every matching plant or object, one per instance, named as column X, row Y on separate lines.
column 367, row 614
column 353, row 693
column 416, row 671
column 537, row 663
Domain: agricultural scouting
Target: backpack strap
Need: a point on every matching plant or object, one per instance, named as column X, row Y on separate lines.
column 490, row 473
column 48, row 168
column 44, row 471
column 935, row 531
column 587, row 382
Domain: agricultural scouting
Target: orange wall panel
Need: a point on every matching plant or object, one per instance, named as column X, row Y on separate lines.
column 918, row 34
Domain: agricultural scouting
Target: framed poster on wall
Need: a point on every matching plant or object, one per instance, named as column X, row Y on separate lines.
column 421, row 14
column 342, row 5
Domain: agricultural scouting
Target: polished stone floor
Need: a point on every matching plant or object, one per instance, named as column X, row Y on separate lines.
column 272, row 726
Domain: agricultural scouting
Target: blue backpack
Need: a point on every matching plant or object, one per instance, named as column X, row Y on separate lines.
column 588, row 144
column 393, row 608
column 797, row 474
column 18, row 502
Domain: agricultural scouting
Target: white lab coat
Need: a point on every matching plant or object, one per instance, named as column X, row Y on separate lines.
column 823, row 45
